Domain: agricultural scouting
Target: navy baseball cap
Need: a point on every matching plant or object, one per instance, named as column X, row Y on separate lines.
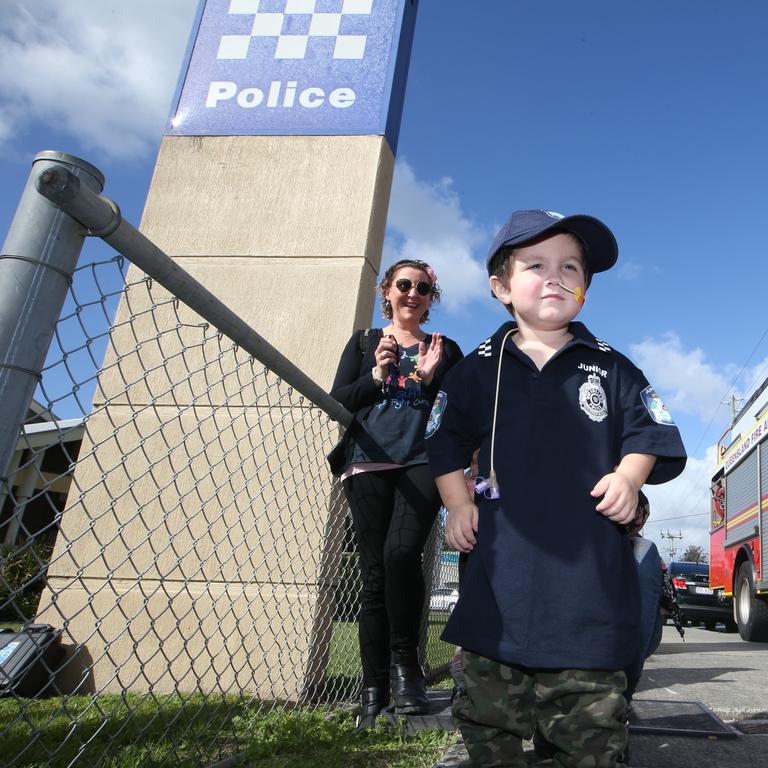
column 600, row 248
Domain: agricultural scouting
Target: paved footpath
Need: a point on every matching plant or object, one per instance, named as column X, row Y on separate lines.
column 717, row 669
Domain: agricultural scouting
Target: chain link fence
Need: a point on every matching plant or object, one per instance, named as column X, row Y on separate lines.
column 168, row 511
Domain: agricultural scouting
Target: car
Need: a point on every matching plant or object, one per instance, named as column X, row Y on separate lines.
column 443, row 599
column 698, row 601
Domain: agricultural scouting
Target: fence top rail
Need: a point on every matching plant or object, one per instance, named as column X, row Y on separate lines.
column 102, row 218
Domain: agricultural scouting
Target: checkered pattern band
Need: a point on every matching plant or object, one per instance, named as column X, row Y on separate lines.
column 275, row 26
column 602, row 346
column 484, row 350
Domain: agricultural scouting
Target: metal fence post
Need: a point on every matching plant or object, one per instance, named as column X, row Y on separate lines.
column 36, row 265
column 103, row 219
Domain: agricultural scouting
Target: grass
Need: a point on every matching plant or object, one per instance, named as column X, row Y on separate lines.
column 331, row 743
column 113, row 730
column 133, row 731
column 344, row 658
column 189, row 731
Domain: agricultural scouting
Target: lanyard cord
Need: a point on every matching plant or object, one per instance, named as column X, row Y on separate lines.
column 492, row 484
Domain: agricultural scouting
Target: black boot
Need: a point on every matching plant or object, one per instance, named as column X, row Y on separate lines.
column 372, row 701
column 408, row 691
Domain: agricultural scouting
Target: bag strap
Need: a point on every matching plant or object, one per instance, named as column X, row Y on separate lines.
column 365, row 337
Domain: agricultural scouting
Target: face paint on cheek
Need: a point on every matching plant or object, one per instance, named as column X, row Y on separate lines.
column 578, row 293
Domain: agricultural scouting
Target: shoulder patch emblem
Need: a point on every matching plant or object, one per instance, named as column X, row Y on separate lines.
column 656, row 408
column 436, row 415
column 592, row 399
column 484, row 350
column 602, row 346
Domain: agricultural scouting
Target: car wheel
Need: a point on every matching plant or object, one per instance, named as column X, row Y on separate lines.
column 751, row 612
column 710, row 626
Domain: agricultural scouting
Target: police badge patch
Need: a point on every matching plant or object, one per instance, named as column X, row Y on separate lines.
column 436, row 414
column 659, row 412
column 592, row 399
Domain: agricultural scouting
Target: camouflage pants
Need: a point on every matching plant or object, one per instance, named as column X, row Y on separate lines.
column 579, row 711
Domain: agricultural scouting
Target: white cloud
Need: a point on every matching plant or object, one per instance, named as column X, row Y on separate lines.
column 7, row 121
column 426, row 222
column 690, row 384
column 688, row 381
column 682, row 507
column 629, row 270
column 102, row 72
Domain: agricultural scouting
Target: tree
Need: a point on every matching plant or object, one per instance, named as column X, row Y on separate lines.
column 694, row 554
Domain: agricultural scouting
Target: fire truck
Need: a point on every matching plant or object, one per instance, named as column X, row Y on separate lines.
column 738, row 539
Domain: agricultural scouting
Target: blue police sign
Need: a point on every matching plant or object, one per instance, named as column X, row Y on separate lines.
column 296, row 67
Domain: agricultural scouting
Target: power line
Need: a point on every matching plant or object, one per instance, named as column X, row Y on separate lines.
column 678, row 517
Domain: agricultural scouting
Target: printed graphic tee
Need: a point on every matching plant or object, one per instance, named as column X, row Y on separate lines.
column 394, row 430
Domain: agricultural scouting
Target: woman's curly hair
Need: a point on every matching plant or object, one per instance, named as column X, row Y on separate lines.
column 386, row 284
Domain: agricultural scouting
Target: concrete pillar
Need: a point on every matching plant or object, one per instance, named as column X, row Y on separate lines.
column 197, row 583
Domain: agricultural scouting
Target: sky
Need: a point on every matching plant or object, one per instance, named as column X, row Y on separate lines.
column 650, row 116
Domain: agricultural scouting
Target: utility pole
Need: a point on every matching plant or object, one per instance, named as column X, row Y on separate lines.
column 732, row 401
column 671, row 547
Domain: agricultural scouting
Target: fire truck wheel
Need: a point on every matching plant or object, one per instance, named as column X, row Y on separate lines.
column 751, row 611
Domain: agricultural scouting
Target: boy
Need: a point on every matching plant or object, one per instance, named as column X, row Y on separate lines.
column 568, row 431
column 650, row 571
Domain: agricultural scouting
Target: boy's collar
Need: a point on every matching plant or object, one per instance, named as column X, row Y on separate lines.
column 579, row 331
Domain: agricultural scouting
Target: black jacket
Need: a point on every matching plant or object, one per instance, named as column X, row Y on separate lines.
column 354, row 386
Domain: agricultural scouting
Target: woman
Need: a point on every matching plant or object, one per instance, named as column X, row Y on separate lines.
column 388, row 378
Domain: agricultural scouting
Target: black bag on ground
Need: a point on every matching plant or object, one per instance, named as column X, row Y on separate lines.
column 29, row 659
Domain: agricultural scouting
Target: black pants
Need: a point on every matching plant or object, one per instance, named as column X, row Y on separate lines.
column 392, row 513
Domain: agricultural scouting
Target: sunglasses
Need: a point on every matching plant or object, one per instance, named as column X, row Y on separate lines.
column 423, row 288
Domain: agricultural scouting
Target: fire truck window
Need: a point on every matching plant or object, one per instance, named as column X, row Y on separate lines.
column 718, row 503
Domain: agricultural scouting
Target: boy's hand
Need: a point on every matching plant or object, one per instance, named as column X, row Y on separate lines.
column 458, row 498
column 619, row 488
column 619, row 494
column 461, row 527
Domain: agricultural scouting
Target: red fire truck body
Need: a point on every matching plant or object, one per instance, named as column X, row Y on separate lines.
column 738, row 542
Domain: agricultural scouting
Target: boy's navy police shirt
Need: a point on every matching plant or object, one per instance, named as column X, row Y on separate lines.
column 551, row 582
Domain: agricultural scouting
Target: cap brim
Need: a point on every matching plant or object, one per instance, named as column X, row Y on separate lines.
column 601, row 251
